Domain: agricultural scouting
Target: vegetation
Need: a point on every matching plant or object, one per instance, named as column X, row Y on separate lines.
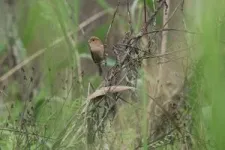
column 168, row 95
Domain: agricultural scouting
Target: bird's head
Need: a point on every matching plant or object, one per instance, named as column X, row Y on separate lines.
column 94, row 40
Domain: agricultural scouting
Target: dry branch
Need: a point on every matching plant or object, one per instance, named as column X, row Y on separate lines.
column 123, row 74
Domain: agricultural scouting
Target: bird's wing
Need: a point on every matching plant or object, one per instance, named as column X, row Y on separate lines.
column 96, row 58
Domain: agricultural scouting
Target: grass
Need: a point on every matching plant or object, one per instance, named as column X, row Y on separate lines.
column 53, row 118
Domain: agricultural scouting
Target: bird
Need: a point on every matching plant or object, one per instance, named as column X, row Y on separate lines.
column 97, row 51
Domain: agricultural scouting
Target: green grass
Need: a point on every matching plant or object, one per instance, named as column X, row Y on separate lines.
column 56, row 121
column 208, row 88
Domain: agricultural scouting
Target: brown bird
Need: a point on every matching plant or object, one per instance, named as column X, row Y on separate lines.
column 97, row 51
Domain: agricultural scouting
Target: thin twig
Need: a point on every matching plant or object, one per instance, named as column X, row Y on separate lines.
column 129, row 17
column 165, row 112
column 110, row 26
column 145, row 18
column 168, row 53
column 166, row 61
column 109, row 29
column 155, row 140
column 172, row 14
column 162, row 3
column 168, row 29
column 22, row 132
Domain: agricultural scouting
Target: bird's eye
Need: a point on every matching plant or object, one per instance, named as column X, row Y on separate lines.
column 93, row 39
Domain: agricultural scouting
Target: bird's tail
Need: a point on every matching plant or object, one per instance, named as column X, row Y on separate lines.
column 100, row 69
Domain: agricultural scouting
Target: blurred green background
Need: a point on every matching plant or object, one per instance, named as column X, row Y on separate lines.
column 41, row 102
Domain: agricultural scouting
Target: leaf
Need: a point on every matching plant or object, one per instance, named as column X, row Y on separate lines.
column 111, row 89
